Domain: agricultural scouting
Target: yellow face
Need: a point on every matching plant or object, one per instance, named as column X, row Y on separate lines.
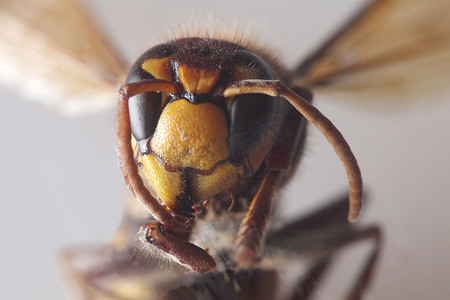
column 188, row 156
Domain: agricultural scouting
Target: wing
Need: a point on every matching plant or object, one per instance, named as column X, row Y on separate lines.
column 52, row 51
column 391, row 48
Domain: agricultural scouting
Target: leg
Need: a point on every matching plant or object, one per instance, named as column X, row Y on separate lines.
column 324, row 233
column 250, row 237
column 307, row 285
column 185, row 252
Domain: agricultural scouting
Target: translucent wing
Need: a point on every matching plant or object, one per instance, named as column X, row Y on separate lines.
column 52, row 51
column 392, row 47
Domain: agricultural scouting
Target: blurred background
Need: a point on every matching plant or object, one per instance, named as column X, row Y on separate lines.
column 61, row 184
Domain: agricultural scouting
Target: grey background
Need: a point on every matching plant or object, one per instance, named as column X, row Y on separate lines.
column 60, row 182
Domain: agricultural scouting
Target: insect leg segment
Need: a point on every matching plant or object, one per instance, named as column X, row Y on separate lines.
column 312, row 114
column 324, row 233
column 185, row 252
column 332, row 240
column 250, row 238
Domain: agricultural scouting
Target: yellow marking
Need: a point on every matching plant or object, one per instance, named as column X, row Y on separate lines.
column 198, row 81
column 206, row 186
column 208, row 79
column 191, row 135
column 189, row 78
column 167, row 185
column 159, row 68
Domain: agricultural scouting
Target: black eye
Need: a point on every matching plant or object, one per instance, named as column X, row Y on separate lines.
column 251, row 115
column 145, row 108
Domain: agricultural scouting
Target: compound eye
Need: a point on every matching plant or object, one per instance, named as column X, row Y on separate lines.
column 251, row 115
column 145, row 108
